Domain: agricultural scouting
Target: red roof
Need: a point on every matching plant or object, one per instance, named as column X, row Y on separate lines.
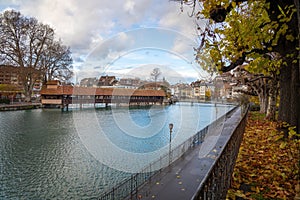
column 70, row 90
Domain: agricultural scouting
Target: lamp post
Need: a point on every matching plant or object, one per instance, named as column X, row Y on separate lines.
column 171, row 128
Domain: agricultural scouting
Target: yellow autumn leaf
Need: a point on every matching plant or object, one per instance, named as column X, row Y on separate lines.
column 282, row 145
column 240, row 193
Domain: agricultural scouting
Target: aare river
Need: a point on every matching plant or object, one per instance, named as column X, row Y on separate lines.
column 49, row 154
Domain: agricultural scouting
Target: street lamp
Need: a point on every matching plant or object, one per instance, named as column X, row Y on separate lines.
column 171, row 128
column 170, row 156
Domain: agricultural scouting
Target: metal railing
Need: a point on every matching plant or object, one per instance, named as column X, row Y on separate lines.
column 215, row 184
column 129, row 187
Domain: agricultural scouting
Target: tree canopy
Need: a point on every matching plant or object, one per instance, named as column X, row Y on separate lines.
column 251, row 32
column 31, row 46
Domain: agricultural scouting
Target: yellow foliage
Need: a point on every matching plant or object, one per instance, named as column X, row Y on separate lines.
column 254, row 99
column 208, row 93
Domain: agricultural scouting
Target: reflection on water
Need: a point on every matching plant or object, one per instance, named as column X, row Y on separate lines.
column 42, row 156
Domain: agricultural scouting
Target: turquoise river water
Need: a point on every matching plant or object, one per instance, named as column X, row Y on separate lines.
column 49, row 154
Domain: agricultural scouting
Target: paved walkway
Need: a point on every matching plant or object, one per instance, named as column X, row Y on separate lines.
column 181, row 179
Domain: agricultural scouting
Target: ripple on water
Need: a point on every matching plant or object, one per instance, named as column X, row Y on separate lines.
column 42, row 157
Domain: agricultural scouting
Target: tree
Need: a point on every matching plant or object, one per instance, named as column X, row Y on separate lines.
column 155, row 74
column 251, row 30
column 29, row 45
column 269, row 67
column 57, row 62
column 261, row 85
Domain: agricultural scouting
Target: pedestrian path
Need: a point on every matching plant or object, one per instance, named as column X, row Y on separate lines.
column 181, row 179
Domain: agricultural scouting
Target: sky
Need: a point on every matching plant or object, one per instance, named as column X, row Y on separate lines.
column 126, row 38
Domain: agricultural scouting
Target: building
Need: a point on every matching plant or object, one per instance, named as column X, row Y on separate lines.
column 199, row 88
column 10, row 85
column 9, row 75
column 107, row 81
column 202, row 89
column 132, row 83
column 182, row 91
column 89, row 82
column 223, row 86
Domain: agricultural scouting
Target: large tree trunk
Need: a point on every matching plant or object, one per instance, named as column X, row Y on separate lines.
column 261, row 88
column 296, row 76
column 289, row 110
column 271, row 111
column 295, row 97
column 27, row 93
column 28, row 77
column 289, row 95
column 263, row 102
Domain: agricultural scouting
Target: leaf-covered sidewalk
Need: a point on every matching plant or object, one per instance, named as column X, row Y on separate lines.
column 267, row 166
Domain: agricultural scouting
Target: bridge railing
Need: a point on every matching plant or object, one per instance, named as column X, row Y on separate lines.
column 129, row 187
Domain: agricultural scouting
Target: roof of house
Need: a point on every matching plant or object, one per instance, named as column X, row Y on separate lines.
column 103, row 78
column 70, row 90
column 53, row 82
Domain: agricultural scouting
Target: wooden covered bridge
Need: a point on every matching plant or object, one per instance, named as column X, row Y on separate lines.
column 55, row 94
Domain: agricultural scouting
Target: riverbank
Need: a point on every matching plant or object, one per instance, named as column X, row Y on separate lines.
column 20, row 106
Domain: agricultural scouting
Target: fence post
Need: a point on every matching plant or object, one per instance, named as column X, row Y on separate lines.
column 198, row 137
column 136, row 183
column 160, row 165
column 150, row 173
column 131, row 187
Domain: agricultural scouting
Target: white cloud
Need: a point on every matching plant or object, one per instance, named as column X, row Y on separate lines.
column 111, row 49
column 81, row 23
column 180, row 21
column 183, row 46
column 129, row 6
column 87, row 26
column 77, row 23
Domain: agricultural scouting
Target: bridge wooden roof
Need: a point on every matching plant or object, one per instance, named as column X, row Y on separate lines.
column 70, row 90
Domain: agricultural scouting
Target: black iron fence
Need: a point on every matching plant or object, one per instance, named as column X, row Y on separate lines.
column 129, row 187
column 215, row 184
